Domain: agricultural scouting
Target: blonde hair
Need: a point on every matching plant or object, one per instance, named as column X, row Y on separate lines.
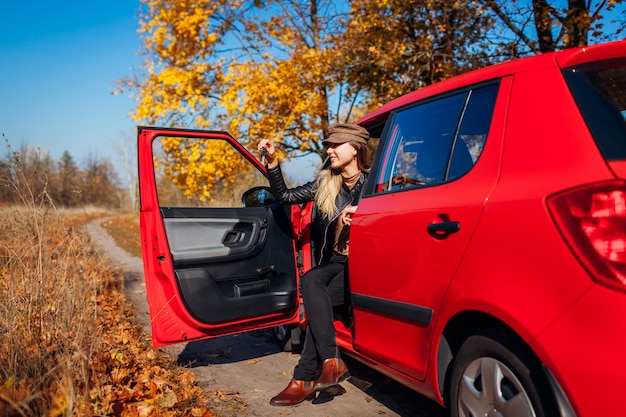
column 328, row 186
column 329, row 182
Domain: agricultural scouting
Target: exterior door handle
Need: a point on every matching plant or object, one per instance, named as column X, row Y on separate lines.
column 443, row 230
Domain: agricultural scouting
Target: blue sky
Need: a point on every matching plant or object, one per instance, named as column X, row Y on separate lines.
column 59, row 63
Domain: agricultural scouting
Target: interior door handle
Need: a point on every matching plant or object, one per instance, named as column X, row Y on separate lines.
column 232, row 237
column 443, row 230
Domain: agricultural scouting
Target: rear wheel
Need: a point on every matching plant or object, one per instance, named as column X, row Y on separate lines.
column 496, row 375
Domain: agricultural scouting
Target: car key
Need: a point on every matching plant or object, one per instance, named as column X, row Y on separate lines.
column 263, row 152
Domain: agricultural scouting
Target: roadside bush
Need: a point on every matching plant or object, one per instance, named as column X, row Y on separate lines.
column 50, row 288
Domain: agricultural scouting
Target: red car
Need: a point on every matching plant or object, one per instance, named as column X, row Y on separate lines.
column 487, row 256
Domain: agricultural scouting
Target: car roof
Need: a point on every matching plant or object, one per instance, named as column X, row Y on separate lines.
column 563, row 59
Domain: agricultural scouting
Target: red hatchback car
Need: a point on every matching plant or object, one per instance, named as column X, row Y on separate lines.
column 488, row 253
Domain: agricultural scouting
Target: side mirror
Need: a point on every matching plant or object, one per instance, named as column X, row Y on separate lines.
column 257, row 197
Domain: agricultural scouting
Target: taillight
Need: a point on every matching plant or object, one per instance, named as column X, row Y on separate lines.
column 593, row 221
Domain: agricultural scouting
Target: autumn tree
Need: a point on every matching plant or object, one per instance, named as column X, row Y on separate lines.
column 67, row 183
column 201, row 160
column 533, row 26
column 6, row 190
column 99, row 183
column 26, row 174
column 394, row 47
column 257, row 69
column 31, row 174
column 20, row 175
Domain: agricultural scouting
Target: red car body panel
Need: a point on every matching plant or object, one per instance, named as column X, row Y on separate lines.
column 586, row 354
column 509, row 265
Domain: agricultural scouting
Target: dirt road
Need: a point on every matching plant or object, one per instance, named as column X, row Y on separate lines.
column 251, row 368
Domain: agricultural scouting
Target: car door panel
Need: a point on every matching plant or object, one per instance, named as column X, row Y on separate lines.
column 407, row 240
column 213, row 270
column 393, row 316
column 230, row 267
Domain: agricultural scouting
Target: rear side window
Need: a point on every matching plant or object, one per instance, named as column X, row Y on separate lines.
column 437, row 141
column 600, row 93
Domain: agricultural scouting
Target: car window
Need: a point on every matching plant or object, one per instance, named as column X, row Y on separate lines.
column 200, row 172
column 473, row 130
column 599, row 89
column 437, row 141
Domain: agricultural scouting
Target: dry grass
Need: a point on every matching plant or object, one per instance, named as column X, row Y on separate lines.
column 50, row 287
column 69, row 343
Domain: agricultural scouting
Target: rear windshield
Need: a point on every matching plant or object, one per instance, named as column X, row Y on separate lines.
column 600, row 92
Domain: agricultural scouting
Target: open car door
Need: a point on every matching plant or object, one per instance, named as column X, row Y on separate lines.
column 218, row 253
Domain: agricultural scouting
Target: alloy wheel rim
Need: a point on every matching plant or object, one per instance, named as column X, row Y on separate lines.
column 489, row 388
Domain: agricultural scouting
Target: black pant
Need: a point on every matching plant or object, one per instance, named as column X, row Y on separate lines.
column 322, row 288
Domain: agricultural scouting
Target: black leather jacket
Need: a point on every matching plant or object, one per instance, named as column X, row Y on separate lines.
column 305, row 193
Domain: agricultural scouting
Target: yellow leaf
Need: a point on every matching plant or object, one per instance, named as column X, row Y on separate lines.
column 9, row 382
column 118, row 356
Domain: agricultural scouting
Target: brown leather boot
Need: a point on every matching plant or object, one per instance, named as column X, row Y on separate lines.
column 334, row 370
column 296, row 392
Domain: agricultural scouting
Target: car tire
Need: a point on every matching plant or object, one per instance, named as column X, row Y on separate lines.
column 496, row 374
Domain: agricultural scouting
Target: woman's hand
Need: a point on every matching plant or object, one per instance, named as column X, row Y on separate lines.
column 345, row 218
column 270, row 152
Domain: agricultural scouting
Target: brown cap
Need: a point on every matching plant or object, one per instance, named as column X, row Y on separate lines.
column 345, row 132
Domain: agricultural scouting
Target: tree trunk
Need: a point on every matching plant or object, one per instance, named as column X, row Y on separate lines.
column 543, row 24
column 577, row 23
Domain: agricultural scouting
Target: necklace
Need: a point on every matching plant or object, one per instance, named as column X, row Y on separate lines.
column 350, row 181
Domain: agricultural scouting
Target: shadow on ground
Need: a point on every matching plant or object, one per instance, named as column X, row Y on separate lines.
column 259, row 344
column 229, row 349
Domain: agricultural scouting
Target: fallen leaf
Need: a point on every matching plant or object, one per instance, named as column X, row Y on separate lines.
column 169, row 400
column 226, row 396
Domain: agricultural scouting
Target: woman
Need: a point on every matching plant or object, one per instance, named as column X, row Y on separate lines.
column 336, row 192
